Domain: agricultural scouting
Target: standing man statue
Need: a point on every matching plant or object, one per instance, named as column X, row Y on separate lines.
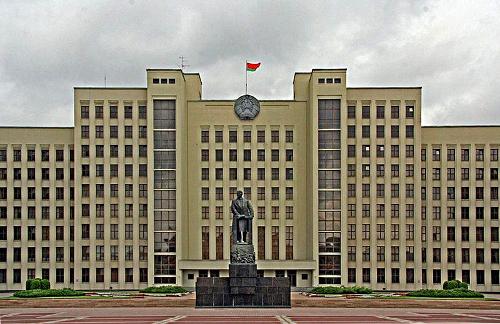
column 242, row 219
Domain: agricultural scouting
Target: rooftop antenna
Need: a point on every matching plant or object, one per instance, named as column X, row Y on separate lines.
column 105, row 80
column 183, row 62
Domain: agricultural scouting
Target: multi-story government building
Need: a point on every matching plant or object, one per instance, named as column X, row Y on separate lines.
column 347, row 186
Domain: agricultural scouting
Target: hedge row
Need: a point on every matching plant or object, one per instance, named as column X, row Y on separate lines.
column 454, row 284
column 341, row 290
column 66, row 292
column 37, row 283
column 164, row 290
column 448, row 293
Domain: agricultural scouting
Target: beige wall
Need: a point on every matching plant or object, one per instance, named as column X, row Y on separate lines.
column 36, row 138
column 300, row 115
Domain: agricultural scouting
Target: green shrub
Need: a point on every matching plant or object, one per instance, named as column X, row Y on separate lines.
column 454, row 284
column 327, row 290
column 34, row 293
column 45, row 284
column 37, row 283
column 164, row 290
column 449, row 293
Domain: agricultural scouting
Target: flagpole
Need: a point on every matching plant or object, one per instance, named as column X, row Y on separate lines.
column 246, row 77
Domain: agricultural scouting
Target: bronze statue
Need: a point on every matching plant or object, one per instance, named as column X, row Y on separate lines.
column 242, row 219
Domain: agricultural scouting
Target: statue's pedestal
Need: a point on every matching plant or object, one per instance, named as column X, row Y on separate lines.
column 243, row 288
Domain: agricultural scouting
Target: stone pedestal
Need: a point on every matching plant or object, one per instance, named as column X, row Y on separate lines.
column 243, row 288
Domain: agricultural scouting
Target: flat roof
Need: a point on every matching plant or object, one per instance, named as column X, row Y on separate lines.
column 112, row 88
column 458, row 126
column 415, row 87
column 42, row 127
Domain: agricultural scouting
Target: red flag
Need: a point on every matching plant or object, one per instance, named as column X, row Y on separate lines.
column 252, row 66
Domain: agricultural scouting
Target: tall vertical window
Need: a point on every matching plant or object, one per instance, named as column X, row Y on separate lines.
column 289, row 242
column 261, row 239
column 205, row 242
column 275, row 242
column 219, row 242
column 164, row 124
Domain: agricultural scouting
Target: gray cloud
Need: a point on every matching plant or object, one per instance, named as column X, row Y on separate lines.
column 450, row 48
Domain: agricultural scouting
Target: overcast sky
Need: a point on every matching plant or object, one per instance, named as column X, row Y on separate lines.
column 450, row 48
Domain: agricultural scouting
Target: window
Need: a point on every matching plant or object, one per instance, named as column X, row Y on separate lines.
column 380, row 131
column 261, row 136
column 395, row 131
column 289, row 136
column 465, row 154
column 129, row 252
column 410, row 113
column 366, row 275
column 84, row 132
column 380, row 112
column 84, row 112
column 275, row 136
column 480, row 154
column 218, row 136
column 204, row 136
column 394, row 151
column 365, row 131
column 351, row 112
column 409, row 131
column 395, row 275
column 351, row 131
column 410, row 151
column 275, row 242
column 395, row 112
column 129, row 274
column 247, row 136
column 365, row 112
column 494, row 154
column 233, row 136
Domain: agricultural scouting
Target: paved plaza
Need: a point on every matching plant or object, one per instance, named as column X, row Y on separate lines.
column 293, row 315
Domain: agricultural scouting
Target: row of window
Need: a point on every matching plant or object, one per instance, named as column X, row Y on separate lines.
column 410, row 232
column 261, row 243
column 261, row 193
column 31, row 173
column 247, row 155
column 113, row 170
column 410, row 276
column 260, row 212
column 464, row 193
column 113, row 131
column 329, row 80
column 380, row 131
column 410, row 211
column 113, row 112
column 464, row 213
column 464, row 154
column 31, row 193
column 113, row 151
column 380, row 112
column 163, row 81
column 32, row 156
column 32, row 214
column 113, row 190
column 247, row 136
column 31, row 233
column 380, row 190
column 380, row 151
column 410, row 254
column 380, row 170
column 464, row 172
column 247, row 173
column 59, row 273
column 99, row 233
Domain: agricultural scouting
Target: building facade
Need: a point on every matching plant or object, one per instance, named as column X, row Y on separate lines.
column 347, row 186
